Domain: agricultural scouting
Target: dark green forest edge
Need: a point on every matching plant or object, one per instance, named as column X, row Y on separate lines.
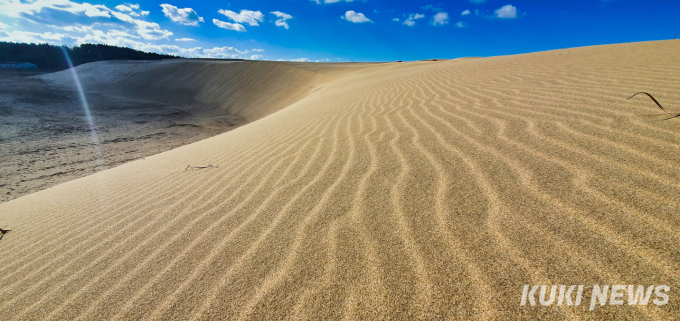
column 50, row 57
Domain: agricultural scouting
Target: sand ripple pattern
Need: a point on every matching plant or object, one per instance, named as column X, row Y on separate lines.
column 406, row 191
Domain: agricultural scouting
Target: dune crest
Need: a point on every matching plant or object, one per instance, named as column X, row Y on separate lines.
column 248, row 89
column 421, row 190
column 138, row 108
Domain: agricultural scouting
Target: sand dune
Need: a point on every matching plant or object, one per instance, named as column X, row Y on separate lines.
column 420, row 190
column 139, row 108
column 247, row 89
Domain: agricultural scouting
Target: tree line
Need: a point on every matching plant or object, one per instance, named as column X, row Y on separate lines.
column 47, row 56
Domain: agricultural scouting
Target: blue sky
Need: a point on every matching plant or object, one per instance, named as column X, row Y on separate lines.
column 339, row 30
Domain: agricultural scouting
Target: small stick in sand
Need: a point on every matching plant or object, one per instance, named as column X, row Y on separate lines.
column 4, row 231
column 656, row 102
column 201, row 167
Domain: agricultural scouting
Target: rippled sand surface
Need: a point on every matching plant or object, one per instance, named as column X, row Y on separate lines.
column 420, row 190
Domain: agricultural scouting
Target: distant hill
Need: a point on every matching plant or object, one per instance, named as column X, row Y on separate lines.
column 46, row 56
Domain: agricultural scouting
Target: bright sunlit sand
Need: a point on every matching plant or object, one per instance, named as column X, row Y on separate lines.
column 415, row 190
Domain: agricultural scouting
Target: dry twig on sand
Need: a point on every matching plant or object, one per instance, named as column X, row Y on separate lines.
column 4, row 231
column 201, row 167
column 656, row 102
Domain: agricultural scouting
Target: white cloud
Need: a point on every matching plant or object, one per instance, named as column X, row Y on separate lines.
column 506, row 12
column 20, row 8
column 62, row 22
column 229, row 26
column 281, row 22
column 478, row 1
column 130, row 9
column 61, row 14
column 129, row 33
column 461, row 24
column 119, row 33
column 301, row 60
column 186, row 16
column 430, row 7
column 411, row 21
column 37, row 37
column 245, row 16
column 355, row 17
column 465, row 13
column 256, row 57
column 282, row 15
column 123, row 8
column 224, row 52
column 150, row 30
column 441, row 18
column 330, row 1
column 395, row 19
column 220, row 52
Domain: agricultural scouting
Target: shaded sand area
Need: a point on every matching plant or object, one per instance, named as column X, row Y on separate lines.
column 138, row 108
column 421, row 190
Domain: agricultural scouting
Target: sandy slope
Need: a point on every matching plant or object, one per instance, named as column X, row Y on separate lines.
column 425, row 190
column 139, row 108
column 247, row 89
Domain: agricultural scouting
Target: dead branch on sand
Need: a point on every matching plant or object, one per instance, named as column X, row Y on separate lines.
column 4, row 231
column 201, row 167
column 656, row 102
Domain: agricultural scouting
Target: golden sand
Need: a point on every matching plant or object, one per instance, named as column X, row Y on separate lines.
column 420, row 190
column 138, row 108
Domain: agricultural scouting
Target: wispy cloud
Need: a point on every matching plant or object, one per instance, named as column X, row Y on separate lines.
column 67, row 14
column 245, row 16
column 440, row 19
column 330, row 1
column 411, row 21
column 72, row 23
column 186, row 16
column 431, row 7
column 355, row 17
column 131, row 9
column 281, row 22
column 123, row 39
column 229, row 26
column 506, row 12
column 128, row 7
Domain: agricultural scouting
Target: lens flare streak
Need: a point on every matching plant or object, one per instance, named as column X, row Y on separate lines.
column 86, row 107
